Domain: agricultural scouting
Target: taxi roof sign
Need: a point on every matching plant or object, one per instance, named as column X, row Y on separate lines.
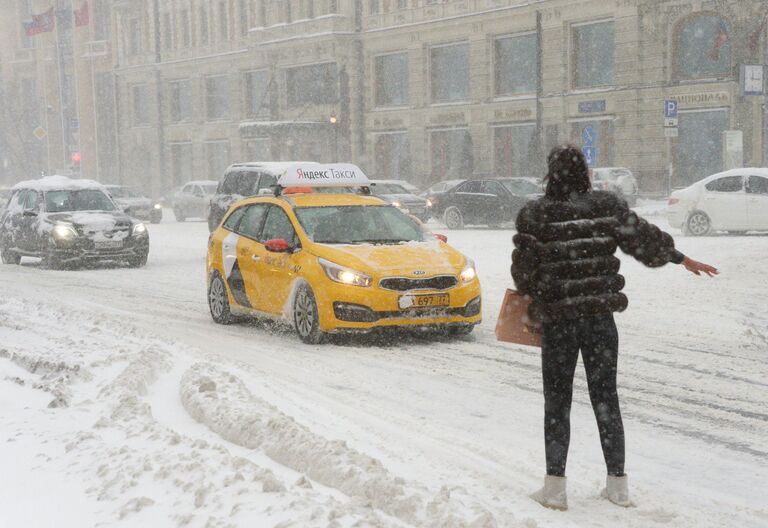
column 319, row 175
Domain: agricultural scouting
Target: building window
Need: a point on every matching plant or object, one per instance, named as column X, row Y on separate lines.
column 134, row 36
column 284, row 11
column 449, row 68
column 167, row 31
column 333, row 6
column 217, row 154
column 257, row 93
column 402, row 4
column 102, row 25
column 373, row 7
column 244, row 17
column 181, row 163
column 700, row 145
column 217, row 97
column 140, row 99
column 451, row 153
column 181, row 101
column 186, row 31
column 25, row 12
column 223, row 22
column 513, row 150
column 393, row 156
column 391, row 79
column 515, row 65
column 313, row 84
column 258, row 149
column 703, row 48
column 593, row 55
column 204, row 24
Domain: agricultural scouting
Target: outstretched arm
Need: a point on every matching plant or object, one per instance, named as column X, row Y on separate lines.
column 697, row 268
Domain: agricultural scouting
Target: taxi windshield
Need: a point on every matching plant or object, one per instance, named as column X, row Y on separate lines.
column 358, row 224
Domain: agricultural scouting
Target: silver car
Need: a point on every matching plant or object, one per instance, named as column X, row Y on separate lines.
column 193, row 199
column 618, row 180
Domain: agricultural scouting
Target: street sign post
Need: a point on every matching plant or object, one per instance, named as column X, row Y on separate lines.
column 588, row 136
column 670, row 113
column 39, row 133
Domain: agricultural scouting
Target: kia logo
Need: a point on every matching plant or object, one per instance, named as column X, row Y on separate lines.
column 419, row 272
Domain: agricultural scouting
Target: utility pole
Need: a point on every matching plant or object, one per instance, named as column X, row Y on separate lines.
column 539, row 139
column 159, row 98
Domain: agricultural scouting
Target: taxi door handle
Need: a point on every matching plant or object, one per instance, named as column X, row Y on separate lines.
column 255, row 258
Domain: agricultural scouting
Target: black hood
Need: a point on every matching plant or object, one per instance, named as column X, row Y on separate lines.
column 69, row 217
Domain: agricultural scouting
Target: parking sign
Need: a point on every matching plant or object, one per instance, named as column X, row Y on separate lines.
column 588, row 136
column 590, row 153
column 670, row 109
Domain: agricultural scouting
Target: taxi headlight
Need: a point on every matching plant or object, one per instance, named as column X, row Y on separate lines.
column 158, row 206
column 64, row 232
column 344, row 275
column 468, row 274
column 139, row 229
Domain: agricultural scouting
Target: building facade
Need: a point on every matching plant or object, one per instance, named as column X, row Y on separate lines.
column 422, row 90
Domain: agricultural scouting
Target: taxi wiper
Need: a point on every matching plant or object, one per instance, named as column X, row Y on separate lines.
column 387, row 240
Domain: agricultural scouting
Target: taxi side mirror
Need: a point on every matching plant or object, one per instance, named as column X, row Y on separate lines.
column 277, row 245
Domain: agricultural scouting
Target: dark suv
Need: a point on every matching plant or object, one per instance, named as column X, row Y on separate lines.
column 67, row 222
column 491, row 202
column 242, row 180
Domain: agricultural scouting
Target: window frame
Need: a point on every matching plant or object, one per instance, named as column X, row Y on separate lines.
column 173, row 87
column 228, row 112
column 294, row 243
column 290, row 92
column 257, row 237
column 431, row 81
column 573, row 55
column 748, row 185
column 676, row 72
column 376, row 91
column 494, row 67
column 247, row 103
column 135, row 122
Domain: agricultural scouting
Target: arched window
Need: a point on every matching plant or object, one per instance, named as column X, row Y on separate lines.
column 703, row 44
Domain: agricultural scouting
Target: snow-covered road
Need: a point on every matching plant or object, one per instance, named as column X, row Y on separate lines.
column 155, row 396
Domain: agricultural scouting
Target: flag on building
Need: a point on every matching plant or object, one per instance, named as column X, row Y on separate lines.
column 82, row 15
column 42, row 23
column 754, row 38
column 721, row 39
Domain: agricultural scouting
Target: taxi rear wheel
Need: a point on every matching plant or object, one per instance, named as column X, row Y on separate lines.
column 218, row 301
column 306, row 319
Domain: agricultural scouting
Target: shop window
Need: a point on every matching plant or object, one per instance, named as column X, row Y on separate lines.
column 515, row 65
column 217, row 97
column 203, row 13
column 451, row 153
column 703, row 47
column 513, row 150
column 257, row 93
column 593, row 55
column 449, row 73
column 181, row 101
column 393, row 156
column 391, row 79
column 313, row 84
column 140, row 99
column 181, row 163
column 699, row 145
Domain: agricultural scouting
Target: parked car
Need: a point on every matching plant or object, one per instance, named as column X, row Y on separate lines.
column 134, row 203
column 193, row 199
column 67, row 222
column 243, row 180
column 491, row 202
column 408, row 186
column 401, row 198
column 617, row 180
column 734, row 201
column 438, row 189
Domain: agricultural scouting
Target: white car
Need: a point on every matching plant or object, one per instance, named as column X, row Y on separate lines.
column 618, row 180
column 734, row 200
column 193, row 199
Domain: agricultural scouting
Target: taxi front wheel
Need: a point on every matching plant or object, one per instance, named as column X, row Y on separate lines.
column 305, row 316
column 218, row 301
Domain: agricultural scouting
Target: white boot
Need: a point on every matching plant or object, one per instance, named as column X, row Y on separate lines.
column 552, row 495
column 617, row 491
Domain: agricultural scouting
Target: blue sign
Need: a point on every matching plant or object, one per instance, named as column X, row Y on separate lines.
column 670, row 109
column 590, row 153
column 592, row 107
column 589, row 136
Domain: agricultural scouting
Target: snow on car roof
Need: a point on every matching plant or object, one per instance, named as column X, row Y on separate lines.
column 747, row 171
column 56, row 183
column 275, row 168
column 202, row 182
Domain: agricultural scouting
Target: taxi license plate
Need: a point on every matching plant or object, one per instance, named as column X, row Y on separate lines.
column 109, row 244
column 424, row 301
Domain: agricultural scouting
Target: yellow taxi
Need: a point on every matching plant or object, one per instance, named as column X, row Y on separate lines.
column 333, row 261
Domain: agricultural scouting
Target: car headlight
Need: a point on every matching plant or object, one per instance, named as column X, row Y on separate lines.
column 158, row 206
column 396, row 204
column 344, row 275
column 64, row 232
column 468, row 274
column 429, row 203
column 139, row 229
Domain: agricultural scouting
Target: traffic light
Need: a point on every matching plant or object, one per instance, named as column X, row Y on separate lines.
column 75, row 158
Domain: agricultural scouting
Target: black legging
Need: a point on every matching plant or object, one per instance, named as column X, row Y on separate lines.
column 598, row 340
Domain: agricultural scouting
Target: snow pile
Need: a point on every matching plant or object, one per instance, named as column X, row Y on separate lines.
column 223, row 403
column 57, row 183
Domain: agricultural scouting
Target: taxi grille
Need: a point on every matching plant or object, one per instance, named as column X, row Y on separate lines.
column 441, row 282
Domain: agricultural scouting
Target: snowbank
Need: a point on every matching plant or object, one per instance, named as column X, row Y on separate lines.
column 223, row 403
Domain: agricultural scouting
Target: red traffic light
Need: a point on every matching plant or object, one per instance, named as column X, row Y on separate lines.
column 75, row 157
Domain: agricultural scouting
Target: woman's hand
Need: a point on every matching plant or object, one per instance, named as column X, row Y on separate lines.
column 697, row 268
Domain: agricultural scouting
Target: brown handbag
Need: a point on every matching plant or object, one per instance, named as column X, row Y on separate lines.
column 514, row 325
